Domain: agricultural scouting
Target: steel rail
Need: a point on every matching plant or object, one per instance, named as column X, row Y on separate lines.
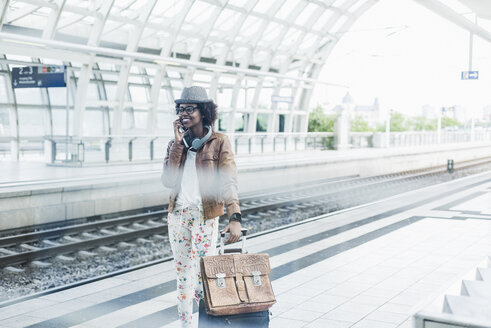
column 321, row 195
column 77, row 246
column 42, row 253
column 73, row 229
column 105, row 223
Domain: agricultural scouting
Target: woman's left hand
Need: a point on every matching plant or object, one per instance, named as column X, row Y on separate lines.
column 234, row 228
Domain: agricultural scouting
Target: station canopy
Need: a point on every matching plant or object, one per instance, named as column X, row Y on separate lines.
column 128, row 60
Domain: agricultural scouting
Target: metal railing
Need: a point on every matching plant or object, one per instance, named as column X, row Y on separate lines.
column 422, row 138
column 137, row 148
column 249, row 143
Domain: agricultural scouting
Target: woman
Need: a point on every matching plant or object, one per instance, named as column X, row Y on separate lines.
column 199, row 167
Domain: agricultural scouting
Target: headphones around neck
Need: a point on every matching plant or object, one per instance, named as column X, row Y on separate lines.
column 194, row 144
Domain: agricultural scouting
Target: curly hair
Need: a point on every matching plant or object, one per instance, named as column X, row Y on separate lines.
column 209, row 112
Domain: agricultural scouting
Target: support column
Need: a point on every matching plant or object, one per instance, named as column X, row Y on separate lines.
column 80, row 100
column 155, row 95
column 233, row 104
column 121, row 88
column 255, row 100
column 13, row 119
column 342, row 131
column 14, row 133
column 439, row 127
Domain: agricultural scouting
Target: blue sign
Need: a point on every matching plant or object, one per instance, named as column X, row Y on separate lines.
column 470, row 75
column 38, row 77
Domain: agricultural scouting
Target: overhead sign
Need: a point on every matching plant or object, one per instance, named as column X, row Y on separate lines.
column 275, row 98
column 38, row 77
column 470, row 75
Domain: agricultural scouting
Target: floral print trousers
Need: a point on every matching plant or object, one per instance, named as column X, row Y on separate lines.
column 191, row 237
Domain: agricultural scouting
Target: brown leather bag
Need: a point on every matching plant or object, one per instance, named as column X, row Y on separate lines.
column 236, row 283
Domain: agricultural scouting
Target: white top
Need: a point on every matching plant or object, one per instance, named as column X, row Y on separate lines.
column 189, row 194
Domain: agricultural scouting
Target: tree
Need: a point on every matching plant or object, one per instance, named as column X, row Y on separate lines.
column 421, row 123
column 358, row 124
column 448, row 121
column 398, row 122
column 321, row 122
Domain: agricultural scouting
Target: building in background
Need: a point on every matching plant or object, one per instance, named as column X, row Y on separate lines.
column 370, row 113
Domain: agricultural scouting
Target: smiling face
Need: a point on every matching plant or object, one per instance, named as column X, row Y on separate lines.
column 190, row 119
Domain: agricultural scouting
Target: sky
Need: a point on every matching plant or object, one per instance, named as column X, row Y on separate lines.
column 407, row 56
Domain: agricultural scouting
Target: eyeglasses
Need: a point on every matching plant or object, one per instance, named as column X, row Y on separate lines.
column 188, row 110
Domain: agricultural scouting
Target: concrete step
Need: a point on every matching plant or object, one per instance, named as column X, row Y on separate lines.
column 483, row 274
column 480, row 289
column 471, row 307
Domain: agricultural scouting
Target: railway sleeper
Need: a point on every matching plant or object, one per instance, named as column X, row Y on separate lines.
column 139, row 226
column 7, row 251
column 89, row 235
column 29, row 247
column 50, row 242
column 125, row 229
column 11, row 269
column 153, row 223
column 40, row 264
column 72, row 239
column 65, row 258
column 106, row 249
column 143, row 241
column 87, row 254
column 124, row 244
column 108, row 232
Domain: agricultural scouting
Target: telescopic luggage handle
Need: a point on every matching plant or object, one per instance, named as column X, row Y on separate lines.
column 233, row 250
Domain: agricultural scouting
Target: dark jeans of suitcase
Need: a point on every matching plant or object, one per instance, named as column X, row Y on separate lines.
column 243, row 320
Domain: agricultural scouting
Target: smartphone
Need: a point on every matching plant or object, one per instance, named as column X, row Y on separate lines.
column 181, row 128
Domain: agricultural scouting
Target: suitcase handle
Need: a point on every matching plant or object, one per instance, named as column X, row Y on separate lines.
column 234, row 250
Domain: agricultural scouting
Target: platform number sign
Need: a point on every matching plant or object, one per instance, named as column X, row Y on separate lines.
column 38, row 77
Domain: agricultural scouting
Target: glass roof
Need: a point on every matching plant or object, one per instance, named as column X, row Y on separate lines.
column 119, row 48
column 276, row 26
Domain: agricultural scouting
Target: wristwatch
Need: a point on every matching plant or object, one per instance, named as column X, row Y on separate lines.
column 236, row 217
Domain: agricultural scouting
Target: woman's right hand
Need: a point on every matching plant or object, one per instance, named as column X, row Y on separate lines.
column 178, row 134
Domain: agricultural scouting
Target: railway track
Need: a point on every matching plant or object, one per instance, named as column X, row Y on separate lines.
column 39, row 248
column 86, row 252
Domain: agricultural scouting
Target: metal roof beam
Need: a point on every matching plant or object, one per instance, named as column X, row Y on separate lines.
column 446, row 12
column 3, row 12
column 110, row 54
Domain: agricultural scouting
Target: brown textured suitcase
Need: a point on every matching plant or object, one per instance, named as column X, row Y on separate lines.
column 236, row 283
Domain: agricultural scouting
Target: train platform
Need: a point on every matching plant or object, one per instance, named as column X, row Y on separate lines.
column 373, row 265
column 28, row 174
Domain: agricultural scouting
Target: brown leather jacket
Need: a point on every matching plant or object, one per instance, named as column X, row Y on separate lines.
column 217, row 175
